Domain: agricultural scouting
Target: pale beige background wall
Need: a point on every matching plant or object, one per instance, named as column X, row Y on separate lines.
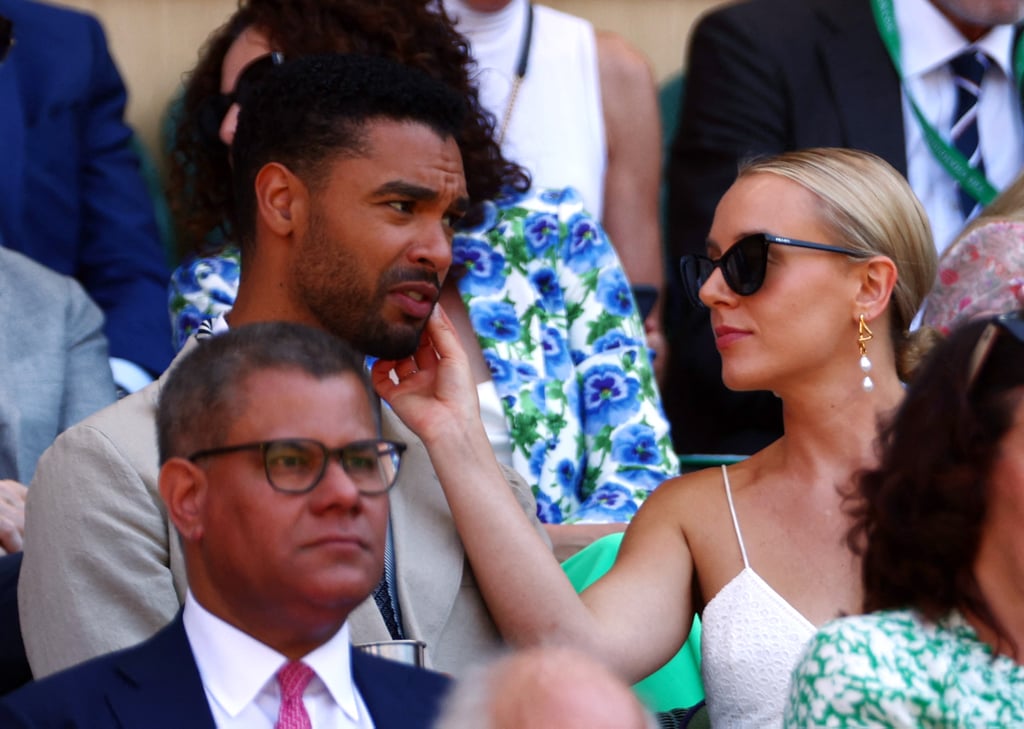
column 155, row 41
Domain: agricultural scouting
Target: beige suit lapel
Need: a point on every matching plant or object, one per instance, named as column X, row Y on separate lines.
column 429, row 559
column 175, row 554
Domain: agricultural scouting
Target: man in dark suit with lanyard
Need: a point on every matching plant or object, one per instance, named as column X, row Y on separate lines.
column 765, row 76
column 275, row 475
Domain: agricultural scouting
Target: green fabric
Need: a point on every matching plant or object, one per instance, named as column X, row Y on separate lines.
column 678, row 682
column 898, row 670
column 697, row 461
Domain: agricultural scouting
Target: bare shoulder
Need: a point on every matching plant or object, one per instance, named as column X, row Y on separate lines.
column 688, row 492
column 629, row 98
column 668, row 527
column 620, row 62
column 696, row 504
column 679, row 506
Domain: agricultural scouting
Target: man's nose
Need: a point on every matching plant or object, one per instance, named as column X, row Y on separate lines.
column 336, row 488
column 433, row 246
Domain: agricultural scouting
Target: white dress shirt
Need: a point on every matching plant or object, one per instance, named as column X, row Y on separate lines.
column 239, row 676
column 493, row 416
column 928, row 42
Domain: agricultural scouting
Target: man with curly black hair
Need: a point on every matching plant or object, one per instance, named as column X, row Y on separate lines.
column 354, row 158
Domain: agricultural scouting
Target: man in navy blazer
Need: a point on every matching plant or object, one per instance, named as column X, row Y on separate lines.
column 763, row 77
column 275, row 476
column 71, row 194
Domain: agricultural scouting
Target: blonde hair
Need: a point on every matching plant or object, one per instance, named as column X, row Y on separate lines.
column 868, row 207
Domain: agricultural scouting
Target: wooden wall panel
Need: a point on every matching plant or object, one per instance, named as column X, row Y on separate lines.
column 659, row 28
column 156, row 41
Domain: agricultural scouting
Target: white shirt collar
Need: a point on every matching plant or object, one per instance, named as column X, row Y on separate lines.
column 219, row 325
column 929, row 41
column 235, row 667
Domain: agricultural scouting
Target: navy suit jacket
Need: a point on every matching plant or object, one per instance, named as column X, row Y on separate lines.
column 156, row 685
column 766, row 76
column 71, row 194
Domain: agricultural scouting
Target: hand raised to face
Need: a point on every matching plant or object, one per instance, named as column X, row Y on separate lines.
column 433, row 391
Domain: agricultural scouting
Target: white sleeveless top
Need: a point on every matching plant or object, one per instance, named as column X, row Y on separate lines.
column 556, row 129
column 750, row 642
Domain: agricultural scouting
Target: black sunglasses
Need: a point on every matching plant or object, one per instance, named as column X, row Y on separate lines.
column 743, row 266
column 1011, row 323
column 215, row 108
column 6, row 37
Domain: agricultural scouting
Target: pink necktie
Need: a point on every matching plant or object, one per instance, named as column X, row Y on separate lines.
column 293, row 679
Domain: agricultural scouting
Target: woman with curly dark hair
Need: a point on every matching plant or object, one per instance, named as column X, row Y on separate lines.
column 410, row 31
column 939, row 526
column 535, row 286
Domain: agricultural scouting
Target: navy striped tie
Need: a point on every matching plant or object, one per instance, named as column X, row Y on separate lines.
column 968, row 69
column 384, row 595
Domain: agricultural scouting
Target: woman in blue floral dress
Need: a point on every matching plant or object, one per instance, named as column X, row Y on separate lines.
column 943, row 556
column 557, row 325
column 549, row 305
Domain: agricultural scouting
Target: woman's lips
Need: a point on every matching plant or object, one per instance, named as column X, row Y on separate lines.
column 726, row 336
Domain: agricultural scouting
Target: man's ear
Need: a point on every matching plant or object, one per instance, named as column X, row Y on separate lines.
column 878, row 276
column 282, row 199
column 183, row 488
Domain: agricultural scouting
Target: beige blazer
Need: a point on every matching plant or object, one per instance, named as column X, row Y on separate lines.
column 103, row 568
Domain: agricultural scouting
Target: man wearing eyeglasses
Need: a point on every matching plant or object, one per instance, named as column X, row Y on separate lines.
column 275, row 477
column 348, row 179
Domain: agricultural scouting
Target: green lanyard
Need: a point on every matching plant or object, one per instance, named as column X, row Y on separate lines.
column 969, row 178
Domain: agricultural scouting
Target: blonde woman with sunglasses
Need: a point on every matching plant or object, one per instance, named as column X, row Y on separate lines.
column 817, row 261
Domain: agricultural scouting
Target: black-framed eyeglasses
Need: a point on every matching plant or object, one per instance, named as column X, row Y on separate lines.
column 296, row 465
column 743, row 266
column 215, row 108
column 1012, row 322
column 6, row 37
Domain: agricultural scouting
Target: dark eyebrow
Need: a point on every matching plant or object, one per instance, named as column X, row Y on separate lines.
column 406, row 189
column 418, row 192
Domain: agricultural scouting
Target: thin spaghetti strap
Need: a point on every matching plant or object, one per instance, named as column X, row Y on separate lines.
column 735, row 521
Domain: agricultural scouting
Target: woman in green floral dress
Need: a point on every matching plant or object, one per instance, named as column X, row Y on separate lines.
column 939, row 525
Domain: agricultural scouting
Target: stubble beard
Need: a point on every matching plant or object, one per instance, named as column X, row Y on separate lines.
column 333, row 288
